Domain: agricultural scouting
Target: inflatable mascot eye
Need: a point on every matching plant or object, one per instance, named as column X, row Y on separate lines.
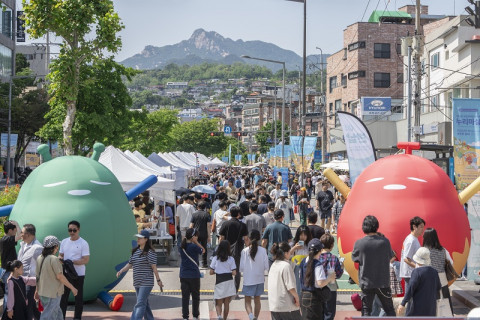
column 394, row 190
column 79, row 188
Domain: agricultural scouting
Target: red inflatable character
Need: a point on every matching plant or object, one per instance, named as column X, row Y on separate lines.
column 395, row 189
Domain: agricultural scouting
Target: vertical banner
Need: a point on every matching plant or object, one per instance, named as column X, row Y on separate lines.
column 360, row 149
column 13, row 144
column 253, row 158
column 249, row 158
column 309, row 146
column 296, row 151
column 225, row 159
column 229, row 154
column 466, row 155
column 20, row 27
column 466, row 137
column 278, row 152
column 272, row 157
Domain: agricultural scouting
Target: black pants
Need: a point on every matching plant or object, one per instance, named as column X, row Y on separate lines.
column 385, row 296
column 203, row 242
column 311, row 306
column 330, row 306
column 78, row 284
column 190, row 286
column 238, row 276
column 32, row 310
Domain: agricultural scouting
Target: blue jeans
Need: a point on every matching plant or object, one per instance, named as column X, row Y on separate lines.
column 4, row 280
column 51, row 308
column 142, row 310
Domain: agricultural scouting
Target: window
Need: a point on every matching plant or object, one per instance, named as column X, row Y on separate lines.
column 356, row 74
column 6, row 22
column 381, row 80
column 356, row 45
column 344, row 80
column 338, row 105
column 381, row 50
column 447, row 54
column 333, row 83
column 396, row 109
column 399, row 48
column 5, row 61
column 330, row 108
column 399, row 77
column 344, row 54
column 314, row 127
column 435, row 60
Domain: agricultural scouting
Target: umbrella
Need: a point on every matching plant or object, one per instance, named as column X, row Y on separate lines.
column 203, row 188
column 182, row 191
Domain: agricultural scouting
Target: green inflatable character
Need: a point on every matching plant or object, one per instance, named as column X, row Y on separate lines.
column 79, row 188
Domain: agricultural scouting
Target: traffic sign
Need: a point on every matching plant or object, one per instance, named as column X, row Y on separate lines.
column 227, row 129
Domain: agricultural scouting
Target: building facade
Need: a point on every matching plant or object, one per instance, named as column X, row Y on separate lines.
column 8, row 18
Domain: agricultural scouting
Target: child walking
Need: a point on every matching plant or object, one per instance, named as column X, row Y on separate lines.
column 17, row 291
column 224, row 267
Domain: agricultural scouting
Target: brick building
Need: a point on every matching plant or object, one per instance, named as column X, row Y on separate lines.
column 370, row 64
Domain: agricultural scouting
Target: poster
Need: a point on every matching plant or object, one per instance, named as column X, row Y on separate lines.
column 13, row 144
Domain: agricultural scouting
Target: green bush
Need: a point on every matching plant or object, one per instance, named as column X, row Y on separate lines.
column 8, row 196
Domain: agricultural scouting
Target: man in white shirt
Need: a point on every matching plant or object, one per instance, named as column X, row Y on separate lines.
column 75, row 249
column 221, row 215
column 275, row 193
column 30, row 249
column 409, row 248
column 184, row 213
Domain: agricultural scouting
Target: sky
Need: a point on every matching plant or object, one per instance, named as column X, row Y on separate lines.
column 166, row 22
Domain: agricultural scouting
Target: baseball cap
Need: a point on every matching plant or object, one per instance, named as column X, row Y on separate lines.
column 315, row 245
column 278, row 214
column 190, row 233
column 143, row 234
column 284, row 193
column 50, row 241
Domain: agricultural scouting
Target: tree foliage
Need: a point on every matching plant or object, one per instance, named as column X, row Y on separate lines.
column 265, row 139
column 102, row 108
column 204, row 71
column 194, row 136
column 89, row 30
column 150, row 132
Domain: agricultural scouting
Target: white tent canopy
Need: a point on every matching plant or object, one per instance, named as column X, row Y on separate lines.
column 181, row 174
column 174, row 161
column 129, row 174
column 336, row 165
column 163, row 172
column 218, row 163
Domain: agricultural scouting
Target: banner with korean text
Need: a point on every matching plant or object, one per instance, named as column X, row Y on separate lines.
column 359, row 144
column 296, row 151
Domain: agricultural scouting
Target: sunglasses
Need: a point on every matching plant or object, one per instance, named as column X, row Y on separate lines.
column 72, row 230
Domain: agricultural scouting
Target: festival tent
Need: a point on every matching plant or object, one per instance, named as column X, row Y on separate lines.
column 336, row 165
column 174, row 161
column 192, row 159
column 204, row 158
column 181, row 174
column 129, row 174
column 163, row 172
column 218, row 163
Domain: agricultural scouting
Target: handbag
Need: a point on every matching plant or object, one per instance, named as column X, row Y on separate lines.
column 450, row 271
column 356, row 301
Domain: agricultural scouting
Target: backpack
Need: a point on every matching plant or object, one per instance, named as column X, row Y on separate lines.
column 238, row 184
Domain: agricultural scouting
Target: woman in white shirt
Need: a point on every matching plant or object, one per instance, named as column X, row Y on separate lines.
column 283, row 300
column 253, row 264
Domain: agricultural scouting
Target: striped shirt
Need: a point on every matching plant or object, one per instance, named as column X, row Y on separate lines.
column 142, row 268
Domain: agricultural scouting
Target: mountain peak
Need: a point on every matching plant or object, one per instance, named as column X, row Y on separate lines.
column 202, row 34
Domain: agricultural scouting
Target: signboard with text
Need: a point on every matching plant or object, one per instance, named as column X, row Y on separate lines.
column 374, row 106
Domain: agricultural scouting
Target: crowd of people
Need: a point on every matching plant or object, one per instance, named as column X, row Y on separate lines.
column 34, row 279
column 243, row 231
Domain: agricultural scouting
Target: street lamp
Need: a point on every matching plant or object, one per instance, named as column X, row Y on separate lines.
column 283, row 101
column 304, row 98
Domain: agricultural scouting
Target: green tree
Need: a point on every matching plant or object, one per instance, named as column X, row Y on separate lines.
column 21, row 62
column 150, row 132
column 194, row 136
column 267, row 135
column 89, row 30
column 102, row 108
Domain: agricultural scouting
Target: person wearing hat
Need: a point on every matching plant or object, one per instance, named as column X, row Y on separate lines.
column 275, row 233
column 284, row 204
column 423, row 289
column 190, row 276
column 303, row 205
column 51, row 281
column 144, row 263
column 314, row 281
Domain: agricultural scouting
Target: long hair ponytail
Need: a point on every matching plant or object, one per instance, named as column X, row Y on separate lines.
column 254, row 238
column 309, row 273
column 278, row 250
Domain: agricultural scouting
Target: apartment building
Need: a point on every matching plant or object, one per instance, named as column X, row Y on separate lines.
column 8, row 17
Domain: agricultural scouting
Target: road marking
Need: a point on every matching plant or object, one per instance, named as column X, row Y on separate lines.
column 204, row 312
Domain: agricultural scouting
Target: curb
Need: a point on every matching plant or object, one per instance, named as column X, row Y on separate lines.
column 464, row 297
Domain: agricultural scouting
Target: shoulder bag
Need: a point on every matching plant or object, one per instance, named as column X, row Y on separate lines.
column 450, row 271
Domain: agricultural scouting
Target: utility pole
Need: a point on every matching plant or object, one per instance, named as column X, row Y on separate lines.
column 324, row 110
column 304, row 91
column 418, row 47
